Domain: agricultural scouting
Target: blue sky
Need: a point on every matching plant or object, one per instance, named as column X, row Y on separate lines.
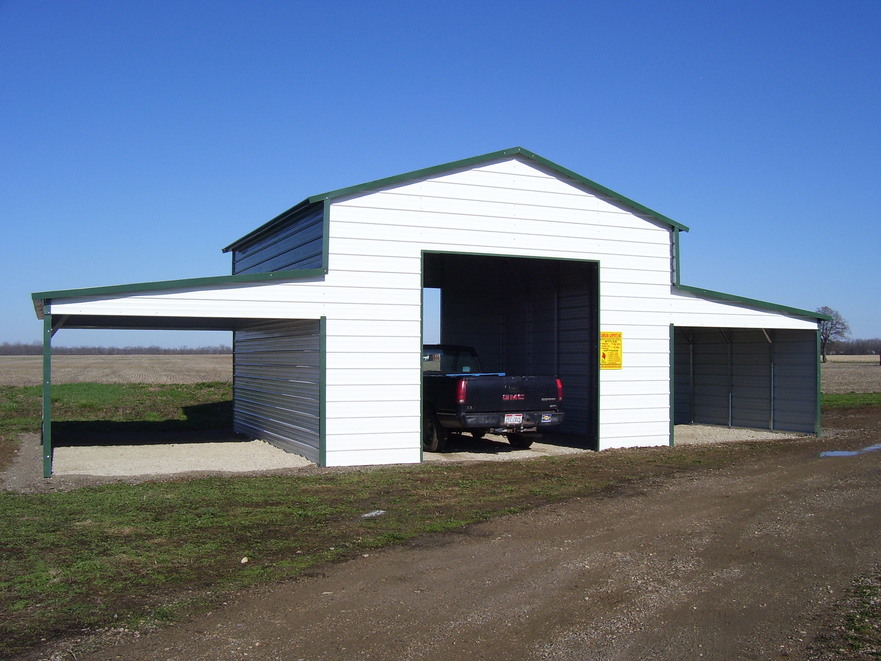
column 139, row 138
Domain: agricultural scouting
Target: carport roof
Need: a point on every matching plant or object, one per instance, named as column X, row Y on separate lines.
column 40, row 299
column 710, row 295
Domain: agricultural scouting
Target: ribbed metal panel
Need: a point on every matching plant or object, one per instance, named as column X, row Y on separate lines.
column 578, row 351
column 750, row 379
column 296, row 245
column 276, row 384
column 683, row 389
column 712, row 376
column 795, row 380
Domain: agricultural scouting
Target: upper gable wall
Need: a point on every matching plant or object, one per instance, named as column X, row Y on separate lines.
column 296, row 243
column 508, row 207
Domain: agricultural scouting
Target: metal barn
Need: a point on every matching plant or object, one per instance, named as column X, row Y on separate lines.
column 540, row 269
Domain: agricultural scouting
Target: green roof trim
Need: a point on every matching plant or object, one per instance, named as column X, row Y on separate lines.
column 40, row 298
column 423, row 173
column 486, row 158
column 720, row 296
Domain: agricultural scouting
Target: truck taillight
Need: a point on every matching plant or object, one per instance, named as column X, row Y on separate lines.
column 559, row 390
column 461, row 391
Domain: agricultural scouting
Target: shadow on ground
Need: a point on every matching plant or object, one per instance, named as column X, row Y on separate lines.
column 496, row 444
column 202, row 423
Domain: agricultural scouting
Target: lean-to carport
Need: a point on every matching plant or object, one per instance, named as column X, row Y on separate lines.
column 295, row 426
column 747, row 377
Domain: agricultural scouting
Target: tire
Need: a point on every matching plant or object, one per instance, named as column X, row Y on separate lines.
column 434, row 437
column 521, row 441
column 478, row 433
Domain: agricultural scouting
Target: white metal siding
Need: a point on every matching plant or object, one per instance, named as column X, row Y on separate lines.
column 514, row 208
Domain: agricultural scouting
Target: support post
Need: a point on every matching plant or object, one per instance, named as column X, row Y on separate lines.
column 47, row 395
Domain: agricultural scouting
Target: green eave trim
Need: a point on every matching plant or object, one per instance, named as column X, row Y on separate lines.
column 720, row 296
column 495, row 156
column 40, row 298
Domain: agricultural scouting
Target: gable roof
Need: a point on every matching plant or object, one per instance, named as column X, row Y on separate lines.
column 316, row 201
column 505, row 154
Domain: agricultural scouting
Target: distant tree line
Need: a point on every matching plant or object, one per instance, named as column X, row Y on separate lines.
column 855, row 347
column 36, row 349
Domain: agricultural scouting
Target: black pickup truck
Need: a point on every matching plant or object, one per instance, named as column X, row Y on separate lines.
column 457, row 397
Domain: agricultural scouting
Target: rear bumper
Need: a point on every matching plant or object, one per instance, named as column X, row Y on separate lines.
column 503, row 422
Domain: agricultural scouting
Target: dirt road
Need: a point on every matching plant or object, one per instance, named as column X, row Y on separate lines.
column 736, row 564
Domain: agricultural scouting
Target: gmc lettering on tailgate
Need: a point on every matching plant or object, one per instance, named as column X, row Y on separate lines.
column 518, row 397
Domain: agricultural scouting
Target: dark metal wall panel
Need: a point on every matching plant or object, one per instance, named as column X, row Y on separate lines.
column 276, row 384
column 526, row 316
column 746, row 378
column 712, row 376
column 795, row 380
column 578, row 351
column 296, row 244
column 683, row 392
column 750, row 379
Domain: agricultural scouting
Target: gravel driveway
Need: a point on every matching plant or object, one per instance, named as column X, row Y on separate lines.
column 740, row 563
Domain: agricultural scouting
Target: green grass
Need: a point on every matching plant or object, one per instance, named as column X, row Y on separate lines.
column 844, row 400
column 137, row 554
column 77, row 560
column 852, row 630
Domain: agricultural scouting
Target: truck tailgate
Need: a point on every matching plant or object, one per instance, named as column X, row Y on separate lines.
column 510, row 393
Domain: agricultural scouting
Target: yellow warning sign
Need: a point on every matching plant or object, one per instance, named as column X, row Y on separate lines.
column 611, row 350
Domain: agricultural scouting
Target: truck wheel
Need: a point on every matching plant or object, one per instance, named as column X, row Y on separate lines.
column 434, row 437
column 520, row 440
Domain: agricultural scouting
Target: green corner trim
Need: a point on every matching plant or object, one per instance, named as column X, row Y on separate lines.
column 47, row 396
column 325, row 238
column 720, row 296
column 818, row 425
column 671, row 354
column 598, row 423
column 322, row 392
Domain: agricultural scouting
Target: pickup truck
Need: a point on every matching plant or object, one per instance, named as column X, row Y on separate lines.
column 457, row 397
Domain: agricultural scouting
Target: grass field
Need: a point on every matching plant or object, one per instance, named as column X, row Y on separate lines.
column 170, row 368
column 843, row 374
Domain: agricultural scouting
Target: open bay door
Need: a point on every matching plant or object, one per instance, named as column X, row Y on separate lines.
column 762, row 379
column 526, row 316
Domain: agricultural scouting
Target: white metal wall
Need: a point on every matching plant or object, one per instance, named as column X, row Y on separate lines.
column 514, row 208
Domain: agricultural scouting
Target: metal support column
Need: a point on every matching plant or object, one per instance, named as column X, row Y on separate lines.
column 47, row 395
